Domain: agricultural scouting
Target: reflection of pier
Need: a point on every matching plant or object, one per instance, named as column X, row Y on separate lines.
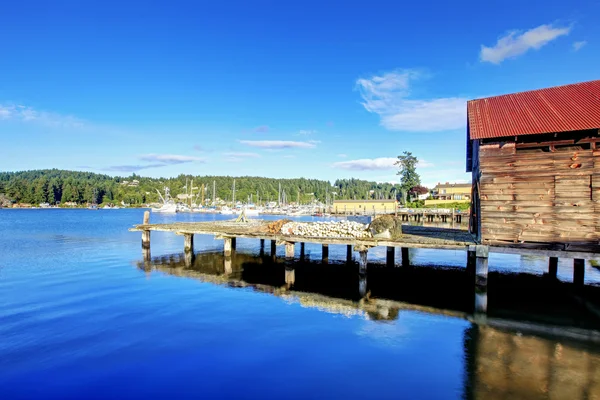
column 524, row 302
column 412, row 237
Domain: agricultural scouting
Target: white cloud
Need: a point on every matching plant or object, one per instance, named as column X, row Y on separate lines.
column 30, row 115
column 578, row 45
column 170, row 158
column 279, row 144
column 516, row 43
column 388, row 96
column 371, row 164
column 306, row 132
column 240, row 154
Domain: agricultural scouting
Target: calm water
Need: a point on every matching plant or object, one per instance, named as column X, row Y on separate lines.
column 82, row 316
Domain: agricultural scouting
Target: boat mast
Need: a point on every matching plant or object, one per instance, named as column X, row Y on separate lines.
column 233, row 200
column 214, row 193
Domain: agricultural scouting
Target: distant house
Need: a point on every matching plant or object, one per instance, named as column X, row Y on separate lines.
column 445, row 193
column 134, row 183
column 70, row 204
column 364, row 206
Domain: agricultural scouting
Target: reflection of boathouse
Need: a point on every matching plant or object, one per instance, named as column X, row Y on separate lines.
column 502, row 365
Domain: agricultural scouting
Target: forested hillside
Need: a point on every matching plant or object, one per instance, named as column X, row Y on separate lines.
column 59, row 186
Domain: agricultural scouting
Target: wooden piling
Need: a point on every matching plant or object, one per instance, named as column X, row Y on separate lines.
column 325, row 253
column 481, row 265
column 578, row 271
column 228, row 265
column 302, row 254
column 362, row 260
column 471, row 261
column 289, row 250
column 227, row 247
column 405, row 257
column 233, row 243
column 262, row 247
column 349, row 253
column 273, row 248
column 553, row 267
column 390, row 253
column 188, row 242
column 146, row 234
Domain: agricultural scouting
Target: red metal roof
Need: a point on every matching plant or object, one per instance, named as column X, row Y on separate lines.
column 556, row 109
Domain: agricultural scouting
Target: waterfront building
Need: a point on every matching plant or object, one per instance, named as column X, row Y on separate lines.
column 535, row 165
column 364, row 206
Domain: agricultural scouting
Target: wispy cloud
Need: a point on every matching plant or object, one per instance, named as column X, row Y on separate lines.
column 12, row 112
column 156, row 161
column 238, row 155
column 170, row 159
column 388, row 96
column 131, row 168
column 516, row 43
column 261, row 129
column 578, row 45
column 306, row 132
column 372, row 164
column 279, row 144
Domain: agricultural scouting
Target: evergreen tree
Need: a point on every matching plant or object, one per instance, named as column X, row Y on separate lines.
column 409, row 178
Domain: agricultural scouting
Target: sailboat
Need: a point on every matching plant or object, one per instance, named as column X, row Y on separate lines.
column 168, row 206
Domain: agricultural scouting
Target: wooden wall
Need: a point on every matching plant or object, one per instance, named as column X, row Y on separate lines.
column 540, row 192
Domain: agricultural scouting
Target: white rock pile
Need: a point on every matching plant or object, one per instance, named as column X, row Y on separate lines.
column 327, row 229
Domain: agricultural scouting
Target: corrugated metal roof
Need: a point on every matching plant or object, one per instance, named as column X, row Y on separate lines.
column 558, row 109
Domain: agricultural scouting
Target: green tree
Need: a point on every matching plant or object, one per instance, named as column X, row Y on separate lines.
column 409, row 178
column 40, row 190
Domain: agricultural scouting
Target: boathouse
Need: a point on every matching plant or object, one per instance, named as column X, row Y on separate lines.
column 535, row 163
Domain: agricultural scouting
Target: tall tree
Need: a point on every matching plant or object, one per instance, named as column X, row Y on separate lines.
column 409, row 178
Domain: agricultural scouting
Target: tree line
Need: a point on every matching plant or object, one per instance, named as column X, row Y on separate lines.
column 60, row 186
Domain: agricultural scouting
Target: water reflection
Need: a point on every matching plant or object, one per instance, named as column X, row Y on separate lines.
column 502, row 359
column 505, row 365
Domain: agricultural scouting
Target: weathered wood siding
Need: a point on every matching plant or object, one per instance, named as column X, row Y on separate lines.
column 549, row 195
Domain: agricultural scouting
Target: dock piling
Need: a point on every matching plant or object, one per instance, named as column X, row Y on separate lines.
column 389, row 259
column 227, row 246
column 289, row 250
column 325, row 253
column 146, row 234
column 188, row 242
column 405, row 257
column 362, row 259
column 481, row 265
column 471, row 261
column 302, row 251
column 578, row 271
column 273, row 248
column 262, row 247
column 233, row 243
column 553, row 267
column 349, row 253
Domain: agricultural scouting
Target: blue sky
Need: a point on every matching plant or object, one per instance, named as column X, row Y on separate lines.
column 280, row 88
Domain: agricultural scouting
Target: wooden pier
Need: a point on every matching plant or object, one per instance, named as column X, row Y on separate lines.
column 412, row 237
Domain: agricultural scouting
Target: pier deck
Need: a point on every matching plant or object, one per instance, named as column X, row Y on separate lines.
column 413, row 236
